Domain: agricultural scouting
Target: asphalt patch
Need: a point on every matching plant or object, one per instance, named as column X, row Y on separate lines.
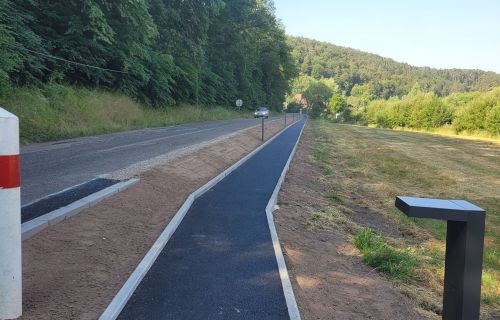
column 54, row 202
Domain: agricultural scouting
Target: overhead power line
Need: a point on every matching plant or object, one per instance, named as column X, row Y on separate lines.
column 65, row 60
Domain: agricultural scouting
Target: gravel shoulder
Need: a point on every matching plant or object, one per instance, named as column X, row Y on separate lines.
column 327, row 274
column 74, row 269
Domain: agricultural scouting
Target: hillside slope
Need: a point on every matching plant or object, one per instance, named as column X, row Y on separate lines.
column 55, row 111
column 159, row 52
column 389, row 78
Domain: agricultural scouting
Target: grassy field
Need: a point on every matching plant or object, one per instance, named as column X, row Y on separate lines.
column 367, row 168
column 55, row 112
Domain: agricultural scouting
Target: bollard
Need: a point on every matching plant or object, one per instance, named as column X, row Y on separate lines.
column 464, row 251
column 10, row 218
column 262, row 128
column 285, row 119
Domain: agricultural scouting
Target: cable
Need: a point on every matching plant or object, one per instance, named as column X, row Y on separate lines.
column 68, row 61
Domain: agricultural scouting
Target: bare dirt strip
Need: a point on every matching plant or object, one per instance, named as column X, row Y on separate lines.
column 328, row 277
column 74, row 269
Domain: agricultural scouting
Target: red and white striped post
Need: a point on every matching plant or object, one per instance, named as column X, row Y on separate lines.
column 10, row 218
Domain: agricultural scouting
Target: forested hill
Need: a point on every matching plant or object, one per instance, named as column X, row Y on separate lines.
column 159, row 51
column 388, row 78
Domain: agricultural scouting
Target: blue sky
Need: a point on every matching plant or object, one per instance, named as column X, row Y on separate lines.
column 439, row 33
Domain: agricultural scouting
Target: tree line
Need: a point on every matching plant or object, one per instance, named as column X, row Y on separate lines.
column 161, row 52
column 470, row 112
column 355, row 70
column 347, row 85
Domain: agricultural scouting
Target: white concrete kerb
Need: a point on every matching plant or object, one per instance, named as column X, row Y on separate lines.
column 291, row 303
column 10, row 218
column 120, row 300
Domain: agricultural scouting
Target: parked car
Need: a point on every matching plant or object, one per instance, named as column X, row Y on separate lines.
column 261, row 112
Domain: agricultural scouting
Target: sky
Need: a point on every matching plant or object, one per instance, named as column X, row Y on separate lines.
column 439, row 33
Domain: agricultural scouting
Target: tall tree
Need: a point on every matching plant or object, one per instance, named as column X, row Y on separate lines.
column 159, row 51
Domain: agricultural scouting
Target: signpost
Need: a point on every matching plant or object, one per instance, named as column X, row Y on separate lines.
column 262, row 128
column 239, row 103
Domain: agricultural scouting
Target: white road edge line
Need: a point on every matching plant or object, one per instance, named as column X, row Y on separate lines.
column 34, row 226
column 120, row 300
column 291, row 303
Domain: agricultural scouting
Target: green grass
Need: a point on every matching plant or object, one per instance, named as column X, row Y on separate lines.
column 327, row 170
column 491, row 258
column 492, row 293
column 332, row 196
column 394, row 263
column 432, row 256
column 56, row 111
column 320, row 156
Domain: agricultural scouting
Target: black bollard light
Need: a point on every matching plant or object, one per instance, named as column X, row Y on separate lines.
column 464, row 251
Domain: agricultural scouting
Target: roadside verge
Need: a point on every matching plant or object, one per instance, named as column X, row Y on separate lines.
column 328, row 277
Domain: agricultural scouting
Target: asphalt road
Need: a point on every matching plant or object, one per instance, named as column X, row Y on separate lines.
column 47, row 168
column 220, row 262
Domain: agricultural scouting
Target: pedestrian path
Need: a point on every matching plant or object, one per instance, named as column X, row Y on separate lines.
column 220, row 262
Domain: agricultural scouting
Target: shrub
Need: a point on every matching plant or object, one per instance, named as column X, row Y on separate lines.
column 493, row 120
column 472, row 111
column 427, row 111
column 377, row 113
column 474, row 114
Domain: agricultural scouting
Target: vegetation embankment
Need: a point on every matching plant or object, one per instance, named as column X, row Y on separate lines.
column 55, row 111
column 366, row 168
column 162, row 54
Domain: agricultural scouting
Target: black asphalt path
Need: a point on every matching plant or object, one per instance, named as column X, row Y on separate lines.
column 47, row 168
column 64, row 198
column 220, row 262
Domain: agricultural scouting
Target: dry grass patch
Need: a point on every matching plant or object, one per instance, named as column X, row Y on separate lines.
column 370, row 167
column 331, row 218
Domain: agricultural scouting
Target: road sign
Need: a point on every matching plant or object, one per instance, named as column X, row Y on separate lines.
column 239, row 103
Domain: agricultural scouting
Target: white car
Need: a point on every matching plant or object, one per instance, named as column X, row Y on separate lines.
column 261, row 112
